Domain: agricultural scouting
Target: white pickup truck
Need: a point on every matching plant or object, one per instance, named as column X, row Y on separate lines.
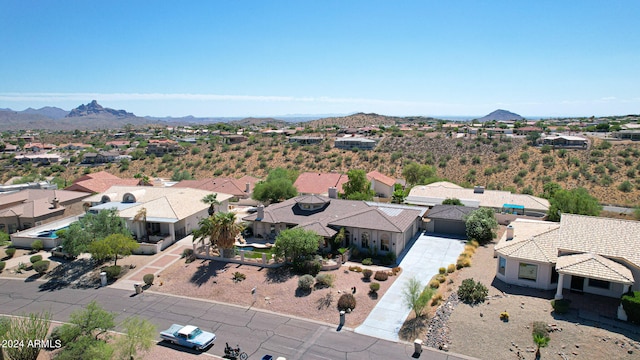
column 189, row 336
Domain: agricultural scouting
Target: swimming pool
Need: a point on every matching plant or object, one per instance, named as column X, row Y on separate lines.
column 51, row 234
column 245, row 248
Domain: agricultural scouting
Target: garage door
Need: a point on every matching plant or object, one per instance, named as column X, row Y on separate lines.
column 449, row 227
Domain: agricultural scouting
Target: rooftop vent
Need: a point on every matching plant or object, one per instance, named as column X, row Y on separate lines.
column 478, row 189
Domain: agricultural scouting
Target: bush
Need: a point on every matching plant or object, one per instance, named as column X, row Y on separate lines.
column 469, row 249
column 311, row 267
column 366, row 274
column 463, row 262
column 374, row 287
column 355, row 268
column 367, row 261
column 325, row 280
column 10, row 252
column 112, row 271
column 347, row 302
column 631, row 305
column 305, row 282
column 41, row 266
column 434, row 284
column 381, row 276
column 37, row 245
column 504, row 316
column 148, row 279
column 396, row 270
column 2, row 265
column 451, row 268
column 35, row 258
column 188, row 254
column 472, row 292
column 560, row 306
column 441, row 278
column 436, row 300
column 442, row 270
column 539, row 328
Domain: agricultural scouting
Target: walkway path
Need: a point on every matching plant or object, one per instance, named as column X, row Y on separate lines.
column 427, row 254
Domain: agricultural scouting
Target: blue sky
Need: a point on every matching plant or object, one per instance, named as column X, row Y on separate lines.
column 265, row 58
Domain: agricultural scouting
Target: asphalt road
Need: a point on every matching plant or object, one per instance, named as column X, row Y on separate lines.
column 256, row 332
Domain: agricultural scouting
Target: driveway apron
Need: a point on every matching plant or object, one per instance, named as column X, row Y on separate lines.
column 428, row 253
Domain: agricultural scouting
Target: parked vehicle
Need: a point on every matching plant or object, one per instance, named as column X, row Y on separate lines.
column 188, row 336
column 59, row 251
column 235, row 353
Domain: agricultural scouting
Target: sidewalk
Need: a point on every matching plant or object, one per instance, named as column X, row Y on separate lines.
column 162, row 261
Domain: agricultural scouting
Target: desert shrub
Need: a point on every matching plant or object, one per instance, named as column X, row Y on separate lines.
column 470, row 249
column 441, row 278
column 10, row 251
column 539, row 328
column 324, row 280
column 148, row 279
column 41, row 266
column 2, row 265
column 436, row 300
column 37, row 245
column 451, row 268
column 472, row 292
column 473, row 243
column 367, row 261
column 366, row 273
column 305, row 282
column 347, row 302
column 631, row 305
column 311, row 267
column 504, row 316
column 396, row 270
column 238, row 276
column 35, row 258
column 113, row 271
column 381, row 276
column 442, row 270
column 355, row 268
column 625, row 186
column 434, row 284
column 187, row 253
column 374, row 287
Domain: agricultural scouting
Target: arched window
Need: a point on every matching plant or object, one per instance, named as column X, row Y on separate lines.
column 128, row 198
column 105, row 199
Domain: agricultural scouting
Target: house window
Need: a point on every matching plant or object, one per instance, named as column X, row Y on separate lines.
column 384, row 242
column 502, row 265
column 365, row 239
column 528, row 272
column 601, row 284
column 554, row 275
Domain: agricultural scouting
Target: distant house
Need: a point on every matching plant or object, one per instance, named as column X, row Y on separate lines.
column 118, row 144
column 10, row 148
column 581, row 253
column 41, row 159
column 235, row 187
column 162, row 147
column 309, row 183
column 233, row 139
column 627, row 134
column 503, row 202
column 566, row 141
column 527, row 130
column 101, row 157
column 381, row 184
column 369, row 226
column 99, row 182
column 306, row 140
column 349, row 143
column 75, row 146
column 32, row 207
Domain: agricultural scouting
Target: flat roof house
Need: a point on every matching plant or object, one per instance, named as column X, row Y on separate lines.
column 374, row 226
column 349, row 143
column 581, row 253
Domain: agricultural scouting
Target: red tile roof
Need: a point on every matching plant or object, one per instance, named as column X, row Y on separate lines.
column 230, row 186
column 319, row 183
column 381, row 178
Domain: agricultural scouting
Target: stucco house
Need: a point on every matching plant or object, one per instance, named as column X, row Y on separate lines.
column 309, row 183
column 581, row 253
column 381, row 184
column 368, row 225
column 171, row 213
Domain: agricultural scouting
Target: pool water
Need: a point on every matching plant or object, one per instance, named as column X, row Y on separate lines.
column 51, row 234
column 245, row 248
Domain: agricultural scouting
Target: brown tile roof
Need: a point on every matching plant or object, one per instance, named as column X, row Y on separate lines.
column 595, row 267
column 231, row 186
column 100, row 184
column 319, row 183
column 380, row 177
column 34, row 203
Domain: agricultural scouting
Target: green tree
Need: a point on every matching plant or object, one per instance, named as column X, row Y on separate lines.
column 113, row 246
column 296, row 244
column 221, row 229
column 415, row 297
column 141, row 217
column 533, row 137
column 452, row 201
column 86, row 347
column 399, row 194
column 277, row 187
column 140, row 335
column 417, row 174
column 92, row 322
column 358, row 187
column 549, row 189
column 99, row 251
column 481, row 225
column 212, row 201
column 34, row 326
column 574, row 201
column 92, row 227
column 540, row 336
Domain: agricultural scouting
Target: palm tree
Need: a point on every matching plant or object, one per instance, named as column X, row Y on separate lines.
column 141, row 217
column 224, row 232
column 540, row 341
column 211, row 200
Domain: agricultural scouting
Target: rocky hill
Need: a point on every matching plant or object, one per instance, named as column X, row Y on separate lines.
column 500, row 115
column 93, row 109
column 48, row 111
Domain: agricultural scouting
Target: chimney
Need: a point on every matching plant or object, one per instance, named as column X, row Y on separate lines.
column 478, row 189
column 55, row 202
column 247, row 188
column 333, row 193
column 260, row 215
column 509, row 232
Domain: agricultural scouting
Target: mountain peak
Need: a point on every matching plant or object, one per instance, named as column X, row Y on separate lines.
column 95, row 109
column 501, row 115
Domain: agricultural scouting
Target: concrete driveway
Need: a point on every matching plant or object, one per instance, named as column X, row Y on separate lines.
column 428, row 253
